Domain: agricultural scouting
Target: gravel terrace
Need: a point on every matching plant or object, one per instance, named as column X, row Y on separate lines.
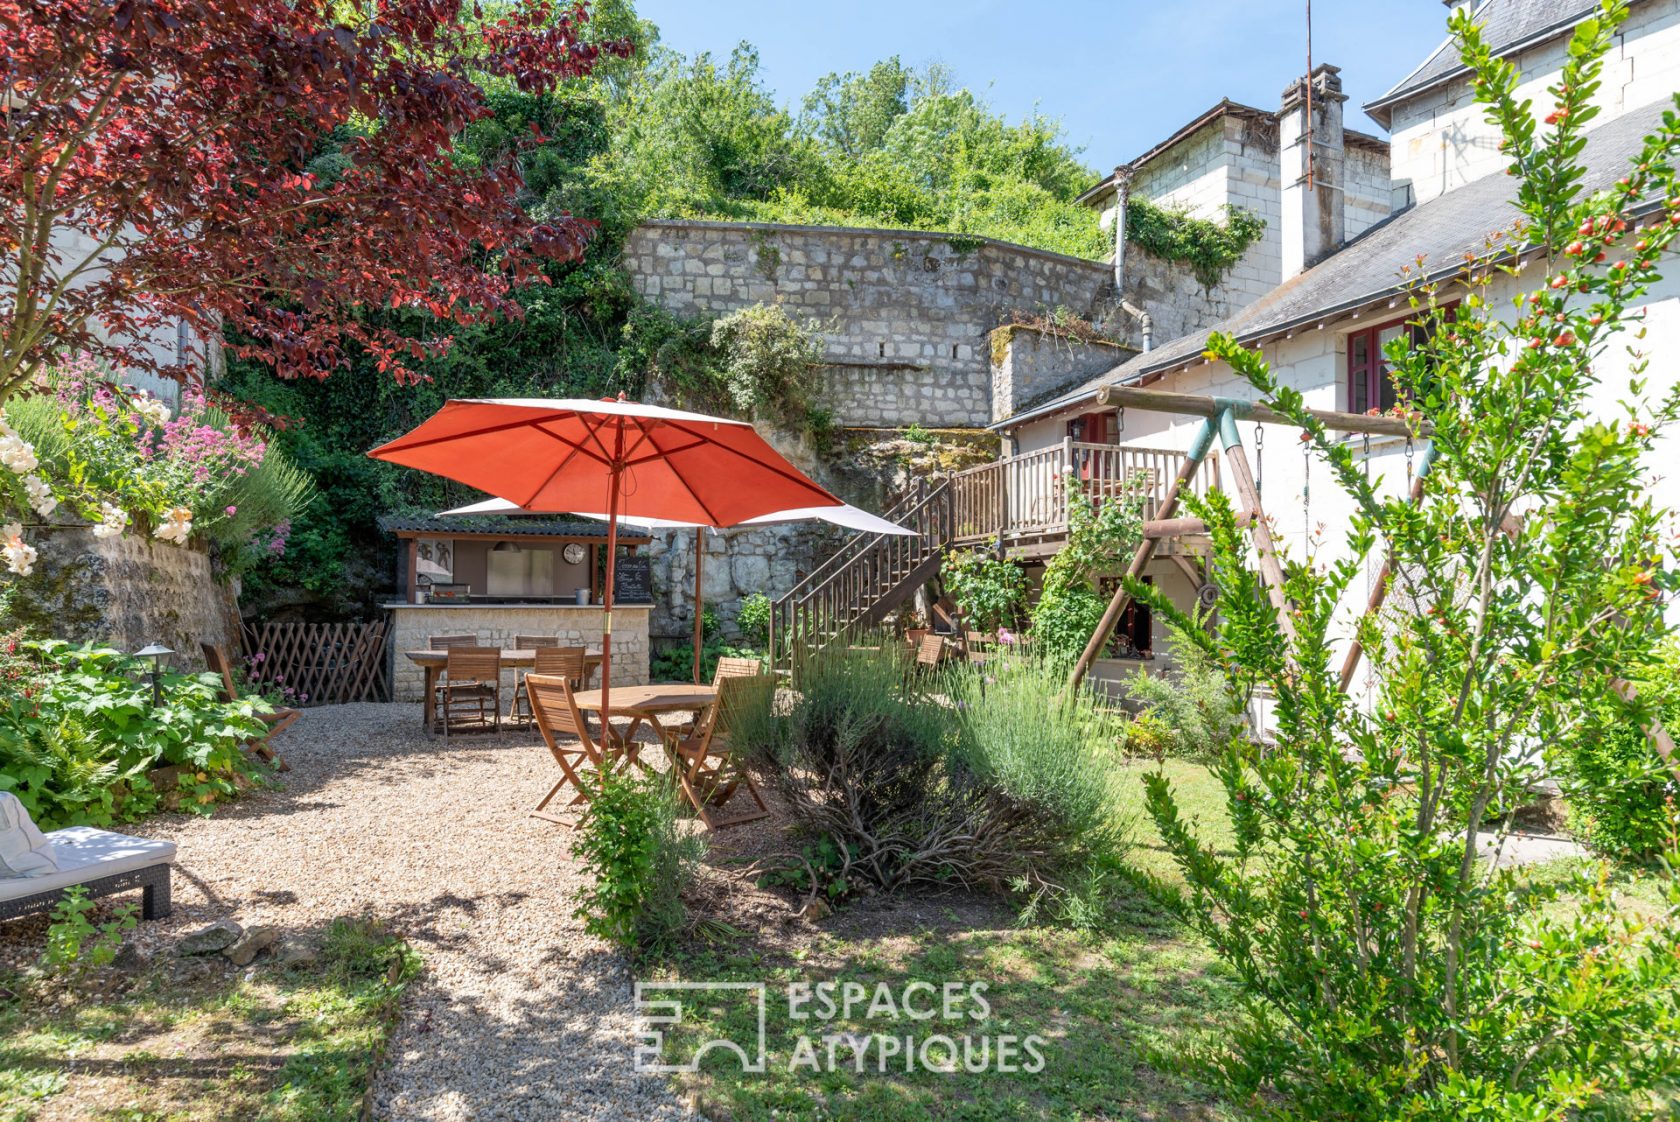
column 519, row 1014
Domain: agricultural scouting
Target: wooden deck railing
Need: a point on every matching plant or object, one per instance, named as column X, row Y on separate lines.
column 1026, row 496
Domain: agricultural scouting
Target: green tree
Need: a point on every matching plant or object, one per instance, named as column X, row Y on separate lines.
column 850, row 113
column 1390, row 971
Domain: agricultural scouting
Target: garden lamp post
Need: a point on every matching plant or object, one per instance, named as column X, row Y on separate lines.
column 155, row 652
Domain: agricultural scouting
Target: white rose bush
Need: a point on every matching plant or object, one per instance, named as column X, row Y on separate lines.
column 121, row 460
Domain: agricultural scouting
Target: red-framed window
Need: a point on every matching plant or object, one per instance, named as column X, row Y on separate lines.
column 1370, row 381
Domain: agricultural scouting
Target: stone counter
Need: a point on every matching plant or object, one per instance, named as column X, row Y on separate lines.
column 575, row 625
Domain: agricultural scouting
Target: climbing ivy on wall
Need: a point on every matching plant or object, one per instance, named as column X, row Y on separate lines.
column 1209, row 248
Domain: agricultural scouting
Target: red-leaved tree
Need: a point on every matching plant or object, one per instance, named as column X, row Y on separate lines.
column 154, row 170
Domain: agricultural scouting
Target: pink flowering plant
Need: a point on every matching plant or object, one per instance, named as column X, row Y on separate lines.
column 126, row 462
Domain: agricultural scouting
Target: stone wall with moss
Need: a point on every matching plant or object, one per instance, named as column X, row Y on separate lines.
column 126, row 592
column 904, row 316
column 1030, row 365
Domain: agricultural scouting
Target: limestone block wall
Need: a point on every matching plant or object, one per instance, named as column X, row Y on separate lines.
column 125, row 592
column 413, row 625
column 1191, row 175
column 1369, row 195
column 738, row 563
column 1029, row 366
column 1234, row 161
column 904, row 316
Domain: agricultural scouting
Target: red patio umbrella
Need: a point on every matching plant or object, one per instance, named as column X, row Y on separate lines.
column 641, row 459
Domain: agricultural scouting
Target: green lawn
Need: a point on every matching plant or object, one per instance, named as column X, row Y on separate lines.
column 1201, row 801
column 191, row 1040
column 1122, row 1010
column 1118, row 1010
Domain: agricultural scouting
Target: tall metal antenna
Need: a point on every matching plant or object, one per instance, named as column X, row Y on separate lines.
column 1307, row 137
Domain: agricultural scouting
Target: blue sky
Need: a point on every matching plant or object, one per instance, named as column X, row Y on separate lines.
column 1121, row 75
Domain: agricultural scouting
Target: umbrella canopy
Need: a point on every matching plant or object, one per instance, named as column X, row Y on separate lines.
column 562, row 455
column 633, row 459
column 845, row 516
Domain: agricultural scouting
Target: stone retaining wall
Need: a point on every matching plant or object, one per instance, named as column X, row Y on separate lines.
column 904, row 316
column 1030, row 366
column 125, row 592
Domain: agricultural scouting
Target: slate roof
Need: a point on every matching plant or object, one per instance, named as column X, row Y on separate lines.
column 1508, row 26
column 1366, row 270
column 510, row 526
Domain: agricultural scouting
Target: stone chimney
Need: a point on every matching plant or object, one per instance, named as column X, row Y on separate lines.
column 1312, row 177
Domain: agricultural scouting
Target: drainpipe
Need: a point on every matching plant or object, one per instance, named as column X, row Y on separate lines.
column 1122, row 195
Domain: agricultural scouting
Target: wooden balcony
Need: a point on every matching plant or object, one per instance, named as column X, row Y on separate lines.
column 1021, row 503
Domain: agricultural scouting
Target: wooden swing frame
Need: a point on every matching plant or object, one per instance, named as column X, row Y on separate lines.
column 1219, row 418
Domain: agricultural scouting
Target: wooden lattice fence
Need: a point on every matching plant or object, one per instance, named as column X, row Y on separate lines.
column 321, row 663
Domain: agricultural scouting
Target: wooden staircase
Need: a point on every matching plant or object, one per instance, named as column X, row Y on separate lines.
column 869, row 576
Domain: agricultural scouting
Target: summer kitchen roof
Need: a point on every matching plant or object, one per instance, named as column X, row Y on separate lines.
column 486, row 526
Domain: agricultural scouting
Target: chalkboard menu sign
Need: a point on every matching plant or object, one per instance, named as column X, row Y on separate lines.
column 633, row 580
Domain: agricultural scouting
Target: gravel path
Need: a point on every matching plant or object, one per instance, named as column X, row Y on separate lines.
column 519, row 1015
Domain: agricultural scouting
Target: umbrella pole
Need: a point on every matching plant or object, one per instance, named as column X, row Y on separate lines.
column 607, row 603
column 699, row 618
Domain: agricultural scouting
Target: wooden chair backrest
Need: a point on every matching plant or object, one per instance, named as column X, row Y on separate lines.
column 977, row 638
column 555, row 710
column 216, row 659
column 473, row 664
column 735, row 697
column 560, row 662
column 731, row 667
column 444, row 642
column 535, row 642
column 930, row 650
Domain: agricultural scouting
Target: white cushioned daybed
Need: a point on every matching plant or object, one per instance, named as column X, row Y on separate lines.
column 37, row 868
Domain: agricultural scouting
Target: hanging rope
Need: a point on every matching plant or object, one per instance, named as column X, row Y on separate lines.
column 1260, row 460
column 1370, row 674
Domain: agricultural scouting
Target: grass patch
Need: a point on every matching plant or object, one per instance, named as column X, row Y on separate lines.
column 1201, row 799
column 194, row 1040
column 1116, row 1011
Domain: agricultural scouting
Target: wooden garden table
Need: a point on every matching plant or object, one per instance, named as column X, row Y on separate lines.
column 645, row 705
column 433, row 662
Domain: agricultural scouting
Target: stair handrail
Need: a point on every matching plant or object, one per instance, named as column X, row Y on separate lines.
column 901, row 517
column 862, row 539
column 912, row 510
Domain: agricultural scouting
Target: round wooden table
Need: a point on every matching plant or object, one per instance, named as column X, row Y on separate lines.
column 645, row 705
column 433, row 662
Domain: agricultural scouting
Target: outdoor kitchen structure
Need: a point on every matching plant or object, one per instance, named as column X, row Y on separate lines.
column 499, row 578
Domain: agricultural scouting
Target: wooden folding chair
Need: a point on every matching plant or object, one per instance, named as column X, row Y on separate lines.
column 535, row 642
column 444, row 642
column 555, row 713
column 216, row 658
column 551, row 661
column 706, row 766
column 727, row 667
column 471, row 683
column 731, row 667
column 930, row 652
column 979, row 647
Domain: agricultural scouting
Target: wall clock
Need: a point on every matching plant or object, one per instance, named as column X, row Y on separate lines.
column 573, row 553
